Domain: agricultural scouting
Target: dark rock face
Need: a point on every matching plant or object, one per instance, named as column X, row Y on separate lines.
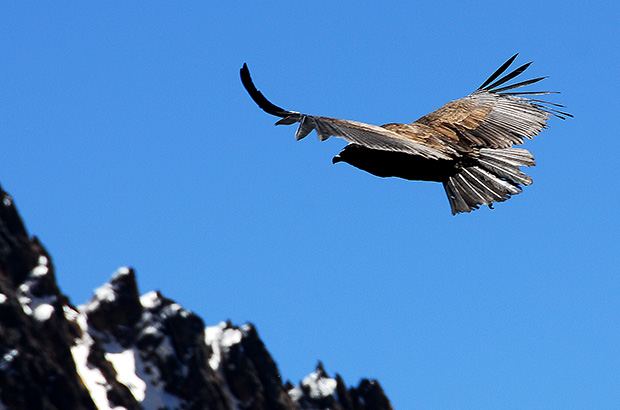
column 251, row 373
column 36, row 366
column 135, row 352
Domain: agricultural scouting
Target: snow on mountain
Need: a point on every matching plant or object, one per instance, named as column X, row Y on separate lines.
column 91, row 376
column 220, row 338
column 317, row 385
column 39, row 306
column 121, row 350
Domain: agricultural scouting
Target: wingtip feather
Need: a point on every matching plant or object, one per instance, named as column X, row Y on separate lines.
column 258, row 97
column 499, row 71
column 508, row 77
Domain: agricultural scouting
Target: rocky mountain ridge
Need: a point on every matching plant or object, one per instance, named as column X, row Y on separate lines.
column 126, row 351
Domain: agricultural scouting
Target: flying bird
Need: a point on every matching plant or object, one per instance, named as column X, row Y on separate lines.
column 467, row 145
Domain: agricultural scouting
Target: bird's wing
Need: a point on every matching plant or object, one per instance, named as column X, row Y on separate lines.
column 370, row 136
column 374, row 137
column 493, row 116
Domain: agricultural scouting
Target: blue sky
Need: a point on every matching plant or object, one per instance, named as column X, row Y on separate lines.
column 127, row 139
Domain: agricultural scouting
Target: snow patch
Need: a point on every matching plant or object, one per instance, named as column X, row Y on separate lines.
column 7, row 358
column 41, row 269
column 125, row 365
column 105, row 293
column 319, row 386
column 122, row 272
column 31, row 304
column 70, row 314
column 175, row 307
column 39, row 307
column 43, row 312
column 220, row 339
column 91, row 376
column 150, row 330
column 140, row 377
column 2, row 298
column 150, row 300
column 295, row 394
column 230, row 337
column 134, row 367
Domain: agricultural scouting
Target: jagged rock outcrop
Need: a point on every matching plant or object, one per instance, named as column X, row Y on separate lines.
column 123, row 350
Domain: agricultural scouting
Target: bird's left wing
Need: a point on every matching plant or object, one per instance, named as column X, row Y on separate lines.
column 494, row 116
column 367, row 135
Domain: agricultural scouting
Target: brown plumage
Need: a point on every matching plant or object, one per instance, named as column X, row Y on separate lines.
column 467, row 144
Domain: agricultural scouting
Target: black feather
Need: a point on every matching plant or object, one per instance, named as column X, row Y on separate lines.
column 552, row 111
column 499, row 71
column 521, row 84
column 531, row 93
column 546, row 102
column 508, row 77
column 258, row 97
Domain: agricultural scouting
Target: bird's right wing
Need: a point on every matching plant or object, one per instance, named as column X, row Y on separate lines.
column 367, row 135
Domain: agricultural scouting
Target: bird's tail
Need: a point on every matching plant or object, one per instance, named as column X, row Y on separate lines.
column 494, row 177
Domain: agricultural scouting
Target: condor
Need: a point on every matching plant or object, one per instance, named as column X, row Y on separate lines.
column 467, row 145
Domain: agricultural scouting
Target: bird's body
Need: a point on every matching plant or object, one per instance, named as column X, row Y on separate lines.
column 467, row 144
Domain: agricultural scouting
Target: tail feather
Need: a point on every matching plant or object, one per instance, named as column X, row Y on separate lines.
column 494, row 178
column 505, row 163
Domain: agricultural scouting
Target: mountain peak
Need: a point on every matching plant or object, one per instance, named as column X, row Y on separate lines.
column 121, row 350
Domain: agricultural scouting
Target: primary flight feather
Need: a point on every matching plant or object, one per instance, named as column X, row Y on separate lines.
column 467, row 144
